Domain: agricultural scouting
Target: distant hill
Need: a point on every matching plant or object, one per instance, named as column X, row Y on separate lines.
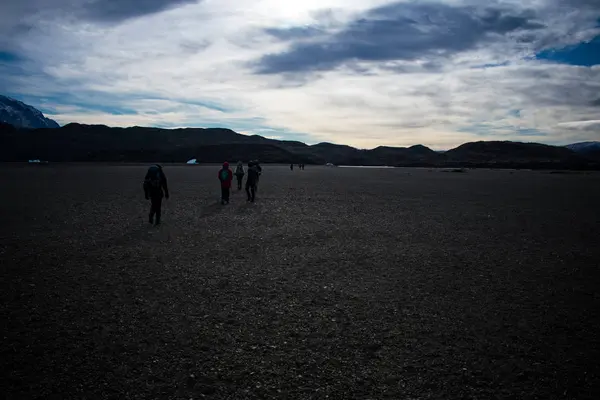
column 506, row 154
column 584, row 147
column 497, row 151
column 590, row 150
column 77, row 142
column 21, row 115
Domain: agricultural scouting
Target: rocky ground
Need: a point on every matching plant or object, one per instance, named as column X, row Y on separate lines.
column 338, row 283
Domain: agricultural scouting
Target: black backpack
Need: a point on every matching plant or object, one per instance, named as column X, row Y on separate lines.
column 153, row 180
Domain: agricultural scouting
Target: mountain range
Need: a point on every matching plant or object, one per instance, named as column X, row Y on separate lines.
column 19, row 114
column 78, row 142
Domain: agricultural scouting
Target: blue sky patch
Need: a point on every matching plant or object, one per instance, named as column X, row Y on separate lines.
column 206, row 104
column 487, row 129
column 8, row 57
column 583, row 54
column 46, row 104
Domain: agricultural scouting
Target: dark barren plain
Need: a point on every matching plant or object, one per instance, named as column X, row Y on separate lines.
column 338, row 283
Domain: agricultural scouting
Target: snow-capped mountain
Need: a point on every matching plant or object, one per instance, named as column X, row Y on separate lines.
column 21, row 115
column 584, row 147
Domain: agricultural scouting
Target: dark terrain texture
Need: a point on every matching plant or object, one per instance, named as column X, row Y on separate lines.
column 338, row 283
column 77, row 142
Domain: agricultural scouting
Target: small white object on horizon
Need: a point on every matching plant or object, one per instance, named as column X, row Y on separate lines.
column 193, row 161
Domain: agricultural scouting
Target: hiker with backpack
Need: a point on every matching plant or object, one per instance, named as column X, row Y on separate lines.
column 225, row 176
column 155, row 187
column 239, row 173
column 252, row 180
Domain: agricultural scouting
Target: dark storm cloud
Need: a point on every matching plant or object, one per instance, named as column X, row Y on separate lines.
column 589, row 4
column 121, row 10
column 20, row 17
column 16, row 14
column 399, row 31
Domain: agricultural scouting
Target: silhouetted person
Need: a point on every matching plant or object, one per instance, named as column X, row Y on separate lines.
column 239, row 173
column 155, row 187
column 259, row 171
column 251, row 181
column 225, row 176
column 292, row 167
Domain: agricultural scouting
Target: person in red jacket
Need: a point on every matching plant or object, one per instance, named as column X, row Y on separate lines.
column 225, row 176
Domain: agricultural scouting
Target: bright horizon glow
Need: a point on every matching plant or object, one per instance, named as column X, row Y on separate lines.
column 364, row 73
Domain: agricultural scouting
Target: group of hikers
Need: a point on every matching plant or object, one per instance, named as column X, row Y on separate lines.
column 300, row 166
column 156, row 188
column 226, row 176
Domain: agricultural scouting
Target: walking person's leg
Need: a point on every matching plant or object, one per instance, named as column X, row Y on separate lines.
column 158, row 209
column 226, row 195
column 152, row 211
column 223, row 195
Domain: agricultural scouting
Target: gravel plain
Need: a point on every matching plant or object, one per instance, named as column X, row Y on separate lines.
column 338, row 283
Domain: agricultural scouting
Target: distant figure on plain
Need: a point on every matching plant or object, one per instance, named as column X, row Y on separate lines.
column 252, row 180
column 239, row 173
column 155, row 187
column 225, row 176
column 292, row 167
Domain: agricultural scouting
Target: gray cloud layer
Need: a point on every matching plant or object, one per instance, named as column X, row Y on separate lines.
column 407, row 32
column 121, row 10
column 19, row 16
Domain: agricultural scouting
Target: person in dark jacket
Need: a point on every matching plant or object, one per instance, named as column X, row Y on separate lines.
column 259, row 172
column 239, row 173
column 155, row 187
column 251, row 181
column 225, row 176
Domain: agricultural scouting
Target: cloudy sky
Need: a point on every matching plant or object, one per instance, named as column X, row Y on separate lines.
column 358, row 72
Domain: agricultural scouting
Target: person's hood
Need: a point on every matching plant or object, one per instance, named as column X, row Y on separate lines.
column 225, row 165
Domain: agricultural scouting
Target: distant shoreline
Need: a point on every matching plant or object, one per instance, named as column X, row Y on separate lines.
column 466, row 167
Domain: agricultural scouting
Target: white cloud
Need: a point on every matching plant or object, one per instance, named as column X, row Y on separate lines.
column 582, row 125
column 165, row 65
